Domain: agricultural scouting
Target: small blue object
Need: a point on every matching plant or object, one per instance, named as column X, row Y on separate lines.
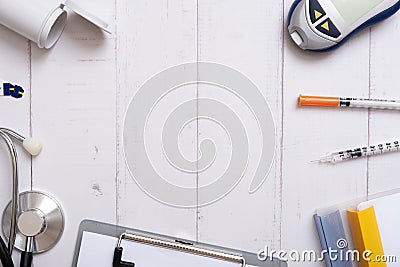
column 13, row 90
column 322, row 25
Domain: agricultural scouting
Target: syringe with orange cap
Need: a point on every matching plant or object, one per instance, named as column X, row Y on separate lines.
column 331, row 101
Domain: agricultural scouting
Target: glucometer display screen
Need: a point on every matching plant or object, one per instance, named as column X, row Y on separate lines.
column 352, row 10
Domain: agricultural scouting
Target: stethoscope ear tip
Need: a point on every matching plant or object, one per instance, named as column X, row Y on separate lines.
column 32, row 146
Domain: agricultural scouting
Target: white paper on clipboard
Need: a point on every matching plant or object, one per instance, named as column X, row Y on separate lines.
column 97, row 250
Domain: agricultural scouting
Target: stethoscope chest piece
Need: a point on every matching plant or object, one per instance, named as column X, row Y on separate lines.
column 40, row 220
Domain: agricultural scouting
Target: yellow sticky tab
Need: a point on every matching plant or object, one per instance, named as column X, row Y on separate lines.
column 20, row 93
column 366, row 237
column 317, row 14
column 12, row 89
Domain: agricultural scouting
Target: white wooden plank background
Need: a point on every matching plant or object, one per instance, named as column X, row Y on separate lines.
column 78, row 92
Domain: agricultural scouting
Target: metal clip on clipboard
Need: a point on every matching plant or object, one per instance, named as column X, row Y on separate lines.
column 174, row 245
column 96, row 243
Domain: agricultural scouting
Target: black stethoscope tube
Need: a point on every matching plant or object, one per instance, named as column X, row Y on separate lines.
column 6, row 260
column 26, row 255
column 6, row 135
column 5, row 256
column 26, row 259
column 5, row 252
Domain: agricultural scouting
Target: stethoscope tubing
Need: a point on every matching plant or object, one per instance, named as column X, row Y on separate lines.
column 33, row 148
column 5, row 256
column 4, row 134
column 13, row 134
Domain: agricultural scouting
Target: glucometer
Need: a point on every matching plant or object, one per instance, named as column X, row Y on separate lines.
column 321, row 25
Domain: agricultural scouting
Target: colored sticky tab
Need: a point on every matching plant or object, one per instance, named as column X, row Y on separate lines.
column 366, row 237
column 388, row 222
column 332, row 238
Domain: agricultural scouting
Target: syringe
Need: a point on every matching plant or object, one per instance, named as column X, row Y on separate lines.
column 361, row 152
column 348, row 102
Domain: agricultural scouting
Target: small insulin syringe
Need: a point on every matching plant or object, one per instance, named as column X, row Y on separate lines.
column 361, row 152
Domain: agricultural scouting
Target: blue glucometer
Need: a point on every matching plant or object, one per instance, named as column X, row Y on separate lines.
column 321, row 25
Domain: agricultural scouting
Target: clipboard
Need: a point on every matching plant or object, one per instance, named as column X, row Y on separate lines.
column 106, row 245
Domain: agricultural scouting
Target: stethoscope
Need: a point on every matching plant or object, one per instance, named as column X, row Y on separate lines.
column 33, row 221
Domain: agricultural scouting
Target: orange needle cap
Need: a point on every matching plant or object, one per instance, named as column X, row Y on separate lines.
column 322, row 101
